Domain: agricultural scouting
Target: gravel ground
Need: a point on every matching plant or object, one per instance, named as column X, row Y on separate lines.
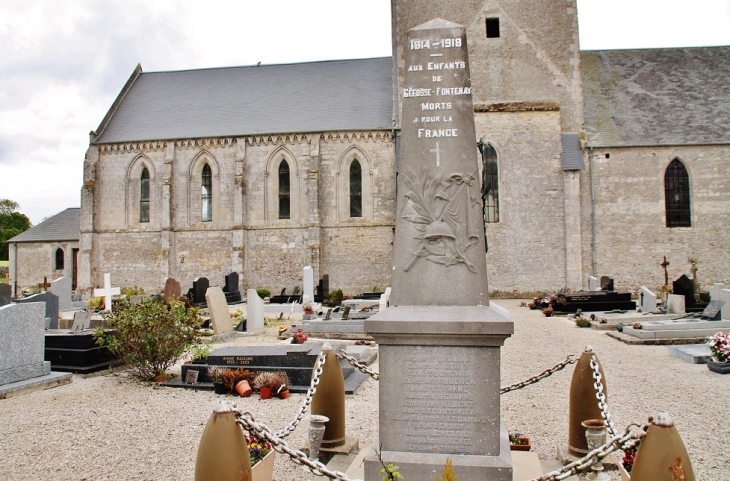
column 111, row 427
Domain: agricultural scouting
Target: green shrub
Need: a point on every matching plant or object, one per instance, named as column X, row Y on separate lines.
column 133, row 291
column 200, row 351
column 335, row 297
column 151, row 336
column 263, row 293
column 583, row 322
column 95, row 303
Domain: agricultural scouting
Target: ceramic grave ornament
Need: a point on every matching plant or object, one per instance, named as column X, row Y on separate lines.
column 439, row 223
column 440, row 339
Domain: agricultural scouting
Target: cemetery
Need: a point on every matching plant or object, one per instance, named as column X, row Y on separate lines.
column 426, row 379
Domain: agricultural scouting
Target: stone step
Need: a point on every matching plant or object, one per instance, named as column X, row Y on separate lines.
column 526, row 466
column 550, row 465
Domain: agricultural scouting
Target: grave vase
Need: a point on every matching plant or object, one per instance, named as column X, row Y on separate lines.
column 718, row 367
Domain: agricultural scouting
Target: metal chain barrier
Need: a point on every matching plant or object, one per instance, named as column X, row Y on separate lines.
column 613, row 444
column 362, row 367
column 307, row 400
column 247, row 422
column 598, row 385
column 571, row 359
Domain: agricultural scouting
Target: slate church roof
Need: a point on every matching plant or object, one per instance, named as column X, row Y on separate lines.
column 64, row 226
column 336, row 95
column 674, row 96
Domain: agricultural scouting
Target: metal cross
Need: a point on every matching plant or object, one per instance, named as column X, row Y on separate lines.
column 666, row 275
column 437, row 151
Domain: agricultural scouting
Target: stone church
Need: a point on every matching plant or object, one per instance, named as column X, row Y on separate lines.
column 598, row 162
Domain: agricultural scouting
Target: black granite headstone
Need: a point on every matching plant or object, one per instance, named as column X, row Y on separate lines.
column 51, row 302
column 230, row 289
column 197, row 293
column 606, row 283
column 5, row 293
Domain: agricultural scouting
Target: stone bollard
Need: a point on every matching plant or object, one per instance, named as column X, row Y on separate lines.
column 583, row 402
column 223, row 451
column 662, row 455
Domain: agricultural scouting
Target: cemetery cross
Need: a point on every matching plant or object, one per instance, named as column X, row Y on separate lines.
column 107, row 292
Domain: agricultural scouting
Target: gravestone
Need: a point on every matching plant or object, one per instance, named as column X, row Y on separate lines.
column 607, row 283
column 647, row 300
column 440, row 333
column 715, row 291
column 324, row 288
column 196, row 294
column 308, row 283
column 62, row 288
column 233, row 294
column 675, row 304
column 254, row 312
column 724, row 295
column 384, row 299
column 712, row 311
column 220, row 317
column 51, row 306
column 172, row 290
column 685, row 286
column 107, row 292
column 22, row 342
column 6, row 293
column 593, row 283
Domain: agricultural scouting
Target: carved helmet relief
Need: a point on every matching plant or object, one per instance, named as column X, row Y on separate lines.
column 446, row 213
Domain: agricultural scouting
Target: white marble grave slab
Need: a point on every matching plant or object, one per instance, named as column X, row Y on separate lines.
column 308, row 283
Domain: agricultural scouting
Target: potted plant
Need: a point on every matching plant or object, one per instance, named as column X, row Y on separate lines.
column 548, row 311
column 216, row 374
column 238, row 381
column 280, row 387
column 719, row 345
column 299, row 337
column 518, row 442
column 582, row 321
column 264, row 382
column 308, row 308
column 200, row 352
column 262, row 457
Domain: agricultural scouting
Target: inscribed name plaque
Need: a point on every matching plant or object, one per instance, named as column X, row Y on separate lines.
column 440, row 226
column 438, row 411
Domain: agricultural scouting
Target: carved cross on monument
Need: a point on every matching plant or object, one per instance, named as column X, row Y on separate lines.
column 438, row 155
column 107, row 292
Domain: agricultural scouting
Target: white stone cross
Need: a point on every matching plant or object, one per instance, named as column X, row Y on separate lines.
column 107, row 292
column 438, row 154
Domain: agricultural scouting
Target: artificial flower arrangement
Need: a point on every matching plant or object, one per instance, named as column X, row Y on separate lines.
column 299, row 337
column 517, row 439
column 629, row 456
column 719, row 345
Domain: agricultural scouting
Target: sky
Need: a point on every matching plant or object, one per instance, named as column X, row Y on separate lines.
column 63, row 62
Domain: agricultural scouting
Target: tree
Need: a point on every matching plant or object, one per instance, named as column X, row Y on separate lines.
column 12, row 223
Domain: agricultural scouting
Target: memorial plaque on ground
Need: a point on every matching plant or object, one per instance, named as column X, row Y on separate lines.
column 440, row 339
column 712, row 311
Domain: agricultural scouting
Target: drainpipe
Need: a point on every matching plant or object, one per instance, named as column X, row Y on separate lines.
column 15, row 269
column 593, row 213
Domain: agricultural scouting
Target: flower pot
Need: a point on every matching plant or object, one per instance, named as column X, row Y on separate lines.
column 521, row 447
column 243, row 388
column 160, row 378
column 264, row 469
column 718, row 367
column 284, row 394
column 265, row 392
column 219, row 388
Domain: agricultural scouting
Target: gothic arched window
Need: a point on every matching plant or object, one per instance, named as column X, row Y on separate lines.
column 676, row 195
column 284, row 191
column 207, row 194
column 355, row 189
column 59, row 259
column 490, row 183
column 144, row 196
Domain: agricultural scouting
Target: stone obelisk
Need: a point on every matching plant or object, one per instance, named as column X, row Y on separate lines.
column 440, row 340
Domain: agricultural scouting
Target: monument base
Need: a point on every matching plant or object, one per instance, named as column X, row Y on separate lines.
column 439, row 391
column 428, row 466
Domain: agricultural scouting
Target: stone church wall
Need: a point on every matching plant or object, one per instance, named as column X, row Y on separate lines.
column 36, row 260
column 631, row 230
column 245, row 234
column 527, row 245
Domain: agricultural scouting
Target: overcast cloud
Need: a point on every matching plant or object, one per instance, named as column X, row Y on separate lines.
column 64, row 61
